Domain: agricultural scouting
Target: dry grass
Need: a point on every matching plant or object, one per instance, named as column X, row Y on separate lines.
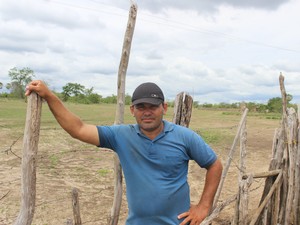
column 64, row 163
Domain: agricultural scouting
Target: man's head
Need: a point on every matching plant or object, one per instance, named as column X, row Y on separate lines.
column 148, row 108
column 148, row 93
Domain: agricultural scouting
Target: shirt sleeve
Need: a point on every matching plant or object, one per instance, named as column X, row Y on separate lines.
column 106, row 137
column 200, row 151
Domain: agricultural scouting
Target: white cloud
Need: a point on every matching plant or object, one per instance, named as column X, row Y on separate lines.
column 218, row 51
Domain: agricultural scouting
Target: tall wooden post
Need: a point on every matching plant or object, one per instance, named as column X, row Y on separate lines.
column 119, row 119
column 241, row 210
column 30, row 147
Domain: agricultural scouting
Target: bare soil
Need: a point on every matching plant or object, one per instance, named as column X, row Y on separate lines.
column 64, row 163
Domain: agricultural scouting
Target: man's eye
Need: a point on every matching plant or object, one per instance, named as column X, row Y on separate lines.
column 144, row 107
column 154, row 107
column 140, row 106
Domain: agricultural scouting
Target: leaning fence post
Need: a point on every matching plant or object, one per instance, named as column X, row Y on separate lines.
column 230, row 157
column 30, row 147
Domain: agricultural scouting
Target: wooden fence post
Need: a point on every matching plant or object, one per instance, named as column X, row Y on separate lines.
column 241, row 212
column 183, row 109
column 283, row 210
column 292, row 153
column 230, row 157
column 30, row 147
column 275, row 186
column 119, row 119
column 297, row 180
column 76, row 208
column 297, row 174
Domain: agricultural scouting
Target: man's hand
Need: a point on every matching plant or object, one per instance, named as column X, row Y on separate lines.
column 198, row 213
column 194, row 216
column 39, row 87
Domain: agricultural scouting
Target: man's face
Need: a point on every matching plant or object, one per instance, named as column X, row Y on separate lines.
column 148, row 116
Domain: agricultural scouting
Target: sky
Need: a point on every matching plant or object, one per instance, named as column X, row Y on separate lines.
column 217, row 51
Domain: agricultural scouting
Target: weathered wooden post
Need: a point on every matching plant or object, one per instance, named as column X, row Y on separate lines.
column 283, row 205
column 291, row 126
column 76, row 208
column 30, row 147
column 297, row 174
column 258, row 211
column 230, row 157
column 241, row 212
column 183, row 109
column 119, row 119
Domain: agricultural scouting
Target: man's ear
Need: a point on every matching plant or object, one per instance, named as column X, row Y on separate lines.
column 132, row 110
column 165, row 108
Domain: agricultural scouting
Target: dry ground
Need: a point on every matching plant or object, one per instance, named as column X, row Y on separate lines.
column 64, row 163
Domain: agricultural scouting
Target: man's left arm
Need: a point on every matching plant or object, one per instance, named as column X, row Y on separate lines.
column 199, row 212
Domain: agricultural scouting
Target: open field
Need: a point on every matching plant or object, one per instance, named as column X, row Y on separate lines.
column 64, row 163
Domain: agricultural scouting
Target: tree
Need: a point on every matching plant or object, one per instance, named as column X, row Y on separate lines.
column 94, row 98
column 127, row 99
column 275, row 104
column 20, row 78
column 72, row 89
column 110, row 99
column 1, row 85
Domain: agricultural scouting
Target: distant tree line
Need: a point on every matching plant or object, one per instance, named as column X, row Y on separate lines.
column 77, row 93
column 72, row 92
column 273, row 105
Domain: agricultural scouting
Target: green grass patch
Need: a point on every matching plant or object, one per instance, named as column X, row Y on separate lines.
column 54, row 159
column 213, row 136
column 103, row 172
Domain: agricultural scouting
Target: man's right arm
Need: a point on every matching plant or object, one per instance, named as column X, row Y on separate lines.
column 67, row 120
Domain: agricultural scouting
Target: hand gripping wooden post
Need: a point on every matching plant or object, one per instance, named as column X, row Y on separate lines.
column 30, row 147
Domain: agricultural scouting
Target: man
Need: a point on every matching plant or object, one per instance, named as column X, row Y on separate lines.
column 154, row 155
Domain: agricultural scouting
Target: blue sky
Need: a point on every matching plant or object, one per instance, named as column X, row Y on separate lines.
column 217, row 51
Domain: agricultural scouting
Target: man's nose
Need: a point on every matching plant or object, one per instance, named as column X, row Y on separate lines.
column 147, row 110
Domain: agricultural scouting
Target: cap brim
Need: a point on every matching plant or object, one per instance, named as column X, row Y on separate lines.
column 152, row 101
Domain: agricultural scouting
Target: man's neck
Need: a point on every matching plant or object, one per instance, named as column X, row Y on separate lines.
column 152, row 134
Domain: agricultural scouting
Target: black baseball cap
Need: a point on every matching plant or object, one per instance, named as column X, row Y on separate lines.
column 148, row 93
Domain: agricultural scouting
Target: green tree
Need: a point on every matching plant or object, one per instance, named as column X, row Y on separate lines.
column 94, row 98
column 252, row 106
column 275, row 104
column 262, row 108
column 110, row 99
column 89, row 91
column 1, row 85
column 72, row 89
column 127, row 99
column 20, row 78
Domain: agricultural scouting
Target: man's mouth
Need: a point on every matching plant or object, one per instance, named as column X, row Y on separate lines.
column 147, row 119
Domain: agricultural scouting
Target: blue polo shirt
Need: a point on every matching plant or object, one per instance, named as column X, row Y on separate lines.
column 156, row 170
